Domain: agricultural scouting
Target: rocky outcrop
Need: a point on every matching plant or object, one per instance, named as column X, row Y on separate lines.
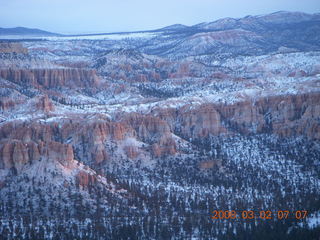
column 152, row 130
column 93, row 136
column 299, row 73
column 16, row 153
column 95, row 141
column 290, row 115
column 182, row 71
column 89, row 138
column 165, row 147
column 194, row 122
column 45, row 104
column 29, row 132
column 52, row 78
column 131, row 152
column 6, row 104
column 10, row 97
column 99, row 154
column 200, row 122
column 85, row 179
column 147, row 127
column 10, row 47
column 63, row 153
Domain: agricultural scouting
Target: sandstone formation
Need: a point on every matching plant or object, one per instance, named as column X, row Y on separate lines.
column 6, row 103
column 45, row 104
column 285, row 116
column 147, row 127
column 85, row 179
column 153, row 130
column 166, row 146
column 10, row 47
column 63, row 153
column 16, row 153
column 291, row 115
column 131, row 152
column 52, row 78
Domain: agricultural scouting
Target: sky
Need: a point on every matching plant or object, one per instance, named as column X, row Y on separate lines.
column 100, row 16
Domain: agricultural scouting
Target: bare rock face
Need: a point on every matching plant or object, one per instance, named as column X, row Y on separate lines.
column 63, row 153
column 200, row 122
column 88, row 138
column 52, row 78
column 118, row 131
column 6, row 103
column 24, row 142
column 34, row 132
column 147, row 127
column 85, row 179
column 182, row 71
column 9, row 47
column 194, row 122
column 290, row 115
column 16, row 154
column 286, row 116
column 45, row 104
column 131, row 152
column 97, row 132
column 299, row 73
column 9, row 97
column 165, row 147
column 92, row 137
column 99, row 154
column 153, row 130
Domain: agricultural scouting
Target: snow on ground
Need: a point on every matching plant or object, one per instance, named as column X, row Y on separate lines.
column 107, row 36
column 313, row 220
column 110, row 36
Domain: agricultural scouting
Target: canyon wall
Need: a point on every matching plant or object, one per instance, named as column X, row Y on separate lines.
column 289, row 115
column 87, row 140
column 52, row 78
column 10, row 47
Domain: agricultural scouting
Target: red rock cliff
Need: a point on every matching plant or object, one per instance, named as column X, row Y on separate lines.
column 16, row 153
column 286, row 116
column 51, row 78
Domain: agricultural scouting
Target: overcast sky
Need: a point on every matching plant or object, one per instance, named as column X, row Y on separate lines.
column 88, row 16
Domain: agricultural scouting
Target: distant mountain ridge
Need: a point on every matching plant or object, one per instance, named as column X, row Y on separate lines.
column 250, row 35
column 248, row 23
column 26, row 31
